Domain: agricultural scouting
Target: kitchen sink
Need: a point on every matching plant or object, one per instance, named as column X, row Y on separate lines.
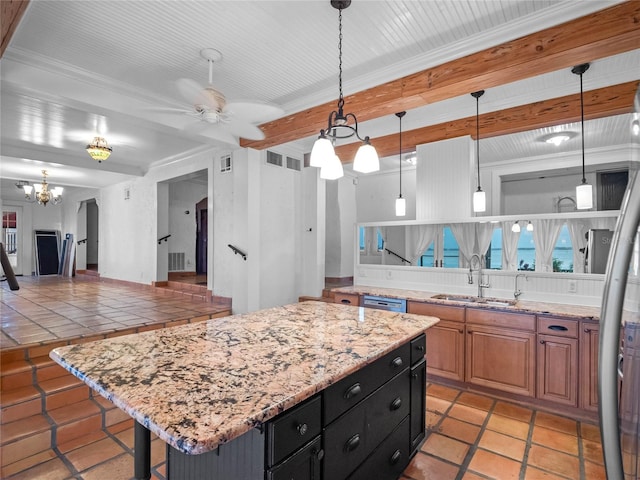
column 494, row 302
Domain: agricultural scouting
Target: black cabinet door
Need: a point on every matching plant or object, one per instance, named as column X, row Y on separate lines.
column 418, row 404
column 303, row 465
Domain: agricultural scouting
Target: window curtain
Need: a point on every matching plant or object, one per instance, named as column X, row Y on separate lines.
column 545, row 236
column 484, row 232
column 509, row 247
column 577, row 231
column 383, row 234
column 370, row 240
column 465, row 234
column 419, row 237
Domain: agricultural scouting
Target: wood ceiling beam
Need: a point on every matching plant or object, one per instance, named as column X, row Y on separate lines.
column 604, row 33
column 599, row 103
column 10, row 14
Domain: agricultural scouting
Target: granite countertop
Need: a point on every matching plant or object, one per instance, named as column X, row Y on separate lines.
column 523, row 306
column 200, row 385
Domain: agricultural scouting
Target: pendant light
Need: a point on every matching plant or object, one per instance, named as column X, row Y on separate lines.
column 401, row 204
column 366, row 159
column 479, row 197
column 515, row 228
column 584, row 194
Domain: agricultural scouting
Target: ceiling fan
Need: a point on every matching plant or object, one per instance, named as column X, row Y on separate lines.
column 210, row 106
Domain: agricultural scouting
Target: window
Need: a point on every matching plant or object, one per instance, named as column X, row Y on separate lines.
column 526, row 251
column 563, row 252
column 361, row 238
column 426, row 259
column 451, row 249
column 225, row 164
column 494, row 252
column 274, row 158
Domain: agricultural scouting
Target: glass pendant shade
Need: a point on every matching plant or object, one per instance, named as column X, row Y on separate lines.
column 366, row 160
column 479, row 201
column 332, row 169
column 515, row 228
column 584, row 196
column 57, row 191
column 322, row 152
column 27, row 189
column 99, row 149
column 401, row 207
column 529, row 227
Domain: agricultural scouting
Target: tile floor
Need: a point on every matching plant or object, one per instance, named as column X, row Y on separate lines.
column 469, row 437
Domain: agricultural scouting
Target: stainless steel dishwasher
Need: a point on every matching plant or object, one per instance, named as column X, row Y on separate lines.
column 385, row 303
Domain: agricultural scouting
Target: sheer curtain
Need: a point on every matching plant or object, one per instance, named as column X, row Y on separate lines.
column 577, row 231
column 466, row 238
column 545, row 236
column 509, row 247
column 383, row 234
column 419, row 237
column 484, row 232
column 370, row 240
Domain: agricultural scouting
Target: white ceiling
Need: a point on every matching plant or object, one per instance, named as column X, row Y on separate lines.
column 77, row 68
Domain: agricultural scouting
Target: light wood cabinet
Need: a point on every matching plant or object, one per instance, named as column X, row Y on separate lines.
column 589, row 344
column 501, row 358
column 445, row 340
column 347, row 299
column 557, row 365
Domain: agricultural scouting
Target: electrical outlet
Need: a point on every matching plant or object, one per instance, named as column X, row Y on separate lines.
column 389, row 274
column 573, row 286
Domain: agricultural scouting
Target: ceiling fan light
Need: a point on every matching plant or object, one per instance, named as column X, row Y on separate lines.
column 99, row 149
column 479, row 201
column 401, row 207
column 332, row 169
column 366, row 160
column 584, row 196
column 322, row 151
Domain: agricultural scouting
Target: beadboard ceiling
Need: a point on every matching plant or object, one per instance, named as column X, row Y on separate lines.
column 77, row 68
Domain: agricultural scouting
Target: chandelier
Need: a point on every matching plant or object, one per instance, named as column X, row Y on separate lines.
column 323, row 153
column 99, row 149
column 41, row 192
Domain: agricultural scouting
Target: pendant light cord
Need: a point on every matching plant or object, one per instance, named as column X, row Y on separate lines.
column 478, row 137
column 400, row 155
column 584, row 180
column 340, row 98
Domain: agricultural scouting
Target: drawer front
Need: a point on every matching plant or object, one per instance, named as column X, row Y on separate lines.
column 444, row 312
column 493, row 318
column 347, row 299
column 292, row 429
column 560, row 327
column 418, row 349
column 389, row 460
column 346, row 393
column 303, row 465
column 351, row 438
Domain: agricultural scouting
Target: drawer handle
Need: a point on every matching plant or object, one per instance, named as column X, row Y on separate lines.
column 352, row 443
column 353, row 391
column 395, row 458
column 319, row 454
column 396, row 404
column 557, row 328
column 345, row 300
column 302, row 428
column 542, row 342
column 420, row 348
column 396, row 362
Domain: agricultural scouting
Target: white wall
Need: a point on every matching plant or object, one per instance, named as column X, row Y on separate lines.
column 376, row 195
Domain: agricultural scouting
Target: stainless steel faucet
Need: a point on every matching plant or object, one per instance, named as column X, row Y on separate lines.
column 470, row 274
column 516, row 291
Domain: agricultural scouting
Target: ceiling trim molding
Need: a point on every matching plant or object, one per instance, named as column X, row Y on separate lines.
column 601, row 34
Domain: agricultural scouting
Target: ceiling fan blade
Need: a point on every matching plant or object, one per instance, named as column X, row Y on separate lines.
column 254, row 112
column 195, row 94
column 242, row 128
column 211, row 130
column 181, row 111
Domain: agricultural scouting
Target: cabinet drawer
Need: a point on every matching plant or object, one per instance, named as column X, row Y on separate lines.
column 303, row 465
column 560, row 327
column 346, row 393
column 293, row 429
column 493, row 318
column 351, row 438
column 389, row 460
column 347, row 299
column 443, row 312
column 418, row 347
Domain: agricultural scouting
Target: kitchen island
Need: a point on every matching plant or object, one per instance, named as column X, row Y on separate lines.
column 226, row 382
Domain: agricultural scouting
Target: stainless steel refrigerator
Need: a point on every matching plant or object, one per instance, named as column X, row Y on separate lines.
column 619, row 350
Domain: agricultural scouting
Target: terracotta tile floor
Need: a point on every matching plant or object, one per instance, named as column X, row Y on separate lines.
column 469, row 437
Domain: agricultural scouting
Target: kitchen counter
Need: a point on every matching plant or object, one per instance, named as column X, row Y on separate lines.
column 201, row 385
column 524, row 306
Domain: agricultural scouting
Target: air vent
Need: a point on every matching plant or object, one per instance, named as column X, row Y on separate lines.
column 176, row 262
column 293, row 163
column 225, row 164
column 274, row 158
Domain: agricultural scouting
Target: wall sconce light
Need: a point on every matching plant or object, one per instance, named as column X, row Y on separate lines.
column 584, row 191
